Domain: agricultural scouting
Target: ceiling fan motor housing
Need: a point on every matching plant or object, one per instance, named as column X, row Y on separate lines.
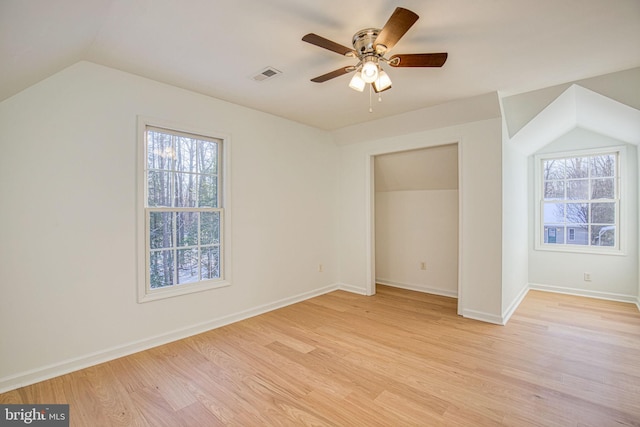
column 363, row 41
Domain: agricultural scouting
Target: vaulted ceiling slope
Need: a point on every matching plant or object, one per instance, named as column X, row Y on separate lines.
column 216, row 47
column 621, row 86
column 578, row 107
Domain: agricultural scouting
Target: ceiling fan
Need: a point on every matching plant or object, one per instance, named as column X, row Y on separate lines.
column 370, row 47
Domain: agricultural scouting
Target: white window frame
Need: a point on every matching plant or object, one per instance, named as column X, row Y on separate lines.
column 145, row 292
column 619, row 248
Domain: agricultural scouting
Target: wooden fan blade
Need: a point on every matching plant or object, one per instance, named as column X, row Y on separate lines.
column 333, row 74
column 396, row 27
column 328, row 44
column 418, row 60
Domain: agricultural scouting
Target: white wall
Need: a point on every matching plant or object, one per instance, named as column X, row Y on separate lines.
column 613, row 276
column 480, row 205
column 515, row 226
column 413, row 227
column 608, row 107
column 67, row 229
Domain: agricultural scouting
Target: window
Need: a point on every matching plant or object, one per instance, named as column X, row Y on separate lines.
column 183, row 212
column 579, row 201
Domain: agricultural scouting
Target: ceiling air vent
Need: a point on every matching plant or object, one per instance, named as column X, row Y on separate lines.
column 265, row 74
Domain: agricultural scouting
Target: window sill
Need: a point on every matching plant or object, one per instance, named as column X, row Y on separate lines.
column 177, row 290
column 579, row 250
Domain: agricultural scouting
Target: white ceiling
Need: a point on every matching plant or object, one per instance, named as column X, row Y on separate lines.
column 215, row 47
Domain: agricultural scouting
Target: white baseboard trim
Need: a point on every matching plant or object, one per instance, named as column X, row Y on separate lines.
column 419, row 288
column 638, row 302
column 585, row 293
column 351, row 288
column 33, row 376
column 482, row 316
column 514, row 305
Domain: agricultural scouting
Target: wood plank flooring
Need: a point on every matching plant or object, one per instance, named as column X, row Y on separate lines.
column 400, row 358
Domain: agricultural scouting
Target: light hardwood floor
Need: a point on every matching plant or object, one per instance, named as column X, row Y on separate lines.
column 399, row 358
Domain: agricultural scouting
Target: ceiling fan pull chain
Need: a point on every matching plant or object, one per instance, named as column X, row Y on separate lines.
column 370, row 95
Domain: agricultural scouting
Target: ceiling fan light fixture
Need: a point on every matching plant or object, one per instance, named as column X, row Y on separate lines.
column 370, row 69
column 370, row 46
column 356, row 82
column 383, row 82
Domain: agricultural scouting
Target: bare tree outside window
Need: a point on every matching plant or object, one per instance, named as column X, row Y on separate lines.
column 184, row 215
column 580, row 200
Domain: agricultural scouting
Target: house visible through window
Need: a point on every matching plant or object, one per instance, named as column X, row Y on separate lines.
column 580, row 201
column 183, row 212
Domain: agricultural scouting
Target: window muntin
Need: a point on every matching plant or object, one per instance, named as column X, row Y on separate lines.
column 580, row 201
column 183, row 212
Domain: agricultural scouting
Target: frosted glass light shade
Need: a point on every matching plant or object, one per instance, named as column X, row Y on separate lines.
column 370, row 72
column 357, row 83
column 383, row 82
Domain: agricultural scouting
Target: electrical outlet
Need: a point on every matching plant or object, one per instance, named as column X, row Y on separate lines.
column 423, row 265
column 587, row 277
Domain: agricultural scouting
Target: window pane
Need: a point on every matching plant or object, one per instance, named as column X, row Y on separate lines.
column 182, row 175
column 158, row 188
column 603, row 213
column 186, row 184
column 603, row 188
column 603, row 235
column 187, row 228
column 161, row 269
column 554, row 213
column 553, row 234
column 208, row 192
column 209, row 228
column 602, row 166
column 186, row 154
column 578, row 190
column 210, row 262
column 160, row 152
column 578, row 235
column 554, row 190
column 160, row 230
column 553, row 169
column 208, row 157
column 188, row 265
column 577, row 213
column 578, row 167
column 580, row 200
